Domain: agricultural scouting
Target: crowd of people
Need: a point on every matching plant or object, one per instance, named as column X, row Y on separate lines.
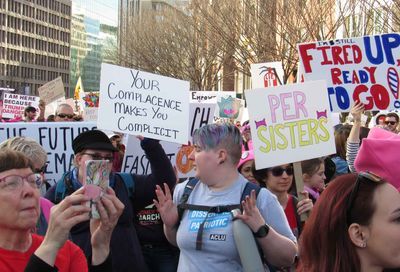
column 159, row 223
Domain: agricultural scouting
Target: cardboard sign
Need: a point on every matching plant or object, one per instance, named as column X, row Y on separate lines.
column 209, row 96
column 55, row 137
column 140, row 103
column 290, row 123
column 135, row 160
column 264, row 75
column 51, row 91
column 15, row 104
column 200, row 114
column 90, row 114
column 364, row 69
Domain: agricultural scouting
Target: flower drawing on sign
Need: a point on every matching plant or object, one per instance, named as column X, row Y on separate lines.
column 91, row 100
column 229, row 107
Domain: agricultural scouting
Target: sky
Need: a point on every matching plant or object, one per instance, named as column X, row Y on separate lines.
column 106, row 11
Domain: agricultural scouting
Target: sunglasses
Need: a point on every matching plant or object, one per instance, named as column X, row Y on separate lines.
column 278, row 170
column 361, row 178
column 390, row 122
column 62, row 115
column 40, row 170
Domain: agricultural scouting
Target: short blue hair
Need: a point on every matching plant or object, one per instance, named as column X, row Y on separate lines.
column 220, row 136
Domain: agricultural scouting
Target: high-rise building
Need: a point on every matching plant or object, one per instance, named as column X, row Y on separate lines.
column 34, row 43
column 93, row 32
column 129, row 9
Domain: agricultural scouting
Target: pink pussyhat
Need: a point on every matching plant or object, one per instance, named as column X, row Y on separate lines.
column 247, row 155
column 380, row 154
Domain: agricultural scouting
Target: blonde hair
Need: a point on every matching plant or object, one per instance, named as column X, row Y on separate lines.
column 29, row 147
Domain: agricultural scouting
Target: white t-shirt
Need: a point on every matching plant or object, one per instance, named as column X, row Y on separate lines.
column 219, row 251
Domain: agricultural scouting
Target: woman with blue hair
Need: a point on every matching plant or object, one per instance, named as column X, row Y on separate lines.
column 200, row 223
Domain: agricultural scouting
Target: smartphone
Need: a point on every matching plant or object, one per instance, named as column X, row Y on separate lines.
column 97, row 180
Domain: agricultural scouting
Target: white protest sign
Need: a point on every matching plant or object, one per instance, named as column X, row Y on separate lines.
column 356, row 69
column 55, row 137
column 140, row 103
column 90, row 114
column 267, row 74
column 136, row 162
column 51, row 91
column 290, row 123
column 200, row 114
column 14, row 104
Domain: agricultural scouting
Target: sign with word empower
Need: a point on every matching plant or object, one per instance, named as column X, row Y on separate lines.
column 290, row 123
column 140, row 103
column 362, row 69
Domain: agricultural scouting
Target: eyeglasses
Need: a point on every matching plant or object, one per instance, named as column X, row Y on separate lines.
column 365, row 177
column 63, row 115
column 97, row 156
column 390, row 122
column 15, row 182
column 278, row 170
column 40, row 170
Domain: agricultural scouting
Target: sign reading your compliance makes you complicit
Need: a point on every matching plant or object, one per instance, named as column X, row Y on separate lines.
column 140, row 103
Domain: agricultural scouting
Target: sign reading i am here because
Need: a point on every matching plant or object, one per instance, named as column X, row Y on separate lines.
column 15, row 104
column 290, row 123
column 362, row 69
column 140, row 103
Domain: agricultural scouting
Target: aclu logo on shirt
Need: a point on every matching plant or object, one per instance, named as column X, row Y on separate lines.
column 214, row 220
column 218, row 237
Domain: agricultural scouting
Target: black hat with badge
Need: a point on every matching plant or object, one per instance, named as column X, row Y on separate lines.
column 92, row 139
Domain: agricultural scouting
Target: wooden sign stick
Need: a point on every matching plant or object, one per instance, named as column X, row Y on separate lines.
column 298, row 175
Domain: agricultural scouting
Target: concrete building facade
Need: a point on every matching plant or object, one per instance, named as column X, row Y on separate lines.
column 34, row 43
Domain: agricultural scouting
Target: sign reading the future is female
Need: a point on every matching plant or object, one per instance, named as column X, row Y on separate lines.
column 290, row 123
column 140, row 103
column 362, row 69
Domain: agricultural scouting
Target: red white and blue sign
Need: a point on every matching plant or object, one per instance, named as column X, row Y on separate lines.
column 362, row 69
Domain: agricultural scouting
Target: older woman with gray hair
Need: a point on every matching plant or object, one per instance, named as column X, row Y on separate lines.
column 22, row 250
column 38, row 157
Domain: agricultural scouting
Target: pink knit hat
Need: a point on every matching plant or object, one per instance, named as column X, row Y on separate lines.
column 247, row 155
column 380, row 154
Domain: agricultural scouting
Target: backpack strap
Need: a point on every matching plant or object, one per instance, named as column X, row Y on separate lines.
column 128, row 181
column 185, row 196
column 247, row 190
column 63, row 187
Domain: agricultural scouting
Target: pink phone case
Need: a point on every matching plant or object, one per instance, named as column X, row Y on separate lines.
column 97, row 181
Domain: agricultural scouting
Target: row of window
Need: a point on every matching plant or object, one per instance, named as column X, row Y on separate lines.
column 29, row 42
column 30, row 73
column 41, row 15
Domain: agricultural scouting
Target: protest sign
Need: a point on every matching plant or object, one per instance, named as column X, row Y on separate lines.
column 90, row 114
column 51, row 91
column 356, row 69
column 14, row 104
column 140, row 103
column 267, row 74
column 290, row 123
column 55, row 137
column 135, row 160
column 200, row 114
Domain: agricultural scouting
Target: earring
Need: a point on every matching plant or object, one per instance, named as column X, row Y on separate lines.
column 363, row 244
